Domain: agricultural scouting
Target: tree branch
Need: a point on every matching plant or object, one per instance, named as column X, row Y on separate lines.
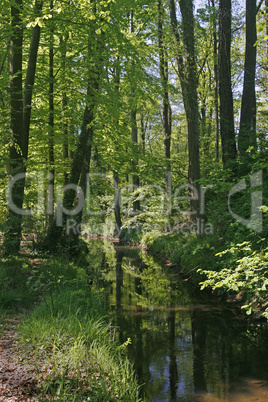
column 259, row 6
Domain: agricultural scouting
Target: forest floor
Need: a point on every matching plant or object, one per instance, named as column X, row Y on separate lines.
column 17, row 378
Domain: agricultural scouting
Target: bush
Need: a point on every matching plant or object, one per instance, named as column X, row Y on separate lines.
column 248, row 274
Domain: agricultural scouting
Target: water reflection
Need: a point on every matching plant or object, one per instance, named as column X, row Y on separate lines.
column 183, row 347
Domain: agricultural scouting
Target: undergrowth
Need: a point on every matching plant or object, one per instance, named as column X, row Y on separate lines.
column 65, row 332
column 248, row 274
column 197, row 255
column 74, row 350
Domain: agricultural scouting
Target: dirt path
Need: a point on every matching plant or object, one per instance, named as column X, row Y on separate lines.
column 16, row 378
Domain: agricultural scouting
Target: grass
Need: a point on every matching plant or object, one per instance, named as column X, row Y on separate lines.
column 66, row 334
column 14, row 294
column 15, row 297
column 2, row 321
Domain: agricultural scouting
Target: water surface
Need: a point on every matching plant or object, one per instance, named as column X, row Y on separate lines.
column 184, row 345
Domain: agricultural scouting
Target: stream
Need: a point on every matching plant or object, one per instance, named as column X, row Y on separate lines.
column 184, row 345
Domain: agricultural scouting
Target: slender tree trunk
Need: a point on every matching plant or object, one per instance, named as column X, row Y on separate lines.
column 84, row 182
column 55, row 230
column 117, row 209
column 188, row 79
column 166, row 109
column 51, row 160
column 246, row 132
column 134, row 129
column 225, row 86
column 16, row 154
column 30, row 78
column 81, row 157
column 20, row 116
column 216, row 82
column 143, row 133
column 203, row 123
column 134, row 136
column 64, row 103
column 117, row 204
column 208, row 133
column 253, row 137
column 84, row 142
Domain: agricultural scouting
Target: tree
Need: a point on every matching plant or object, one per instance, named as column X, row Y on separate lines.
column 20, row 117
column 51, row 157
column 166, row 108
column 82, row 155
column 225, row 85
column 188, row 79
column 247, row 132
column 216, row 81
column 17, row 143
column 133, row 119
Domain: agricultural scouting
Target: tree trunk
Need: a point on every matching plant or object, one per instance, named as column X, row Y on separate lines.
column 225, row 86
column 117, row 204
column 117, row 211
column 51, row 160
column 17, row 146
column 134, row 130
column 143, row 133
column 188, row 79
column 55, row 231
column 30, row 78
column 246, row 132
column 216, row 82
column 81, row 157
column 20, row 116
column 64, row 103
column 208, row 132
column 166, row 109
column 84, row 182
column 203, row 123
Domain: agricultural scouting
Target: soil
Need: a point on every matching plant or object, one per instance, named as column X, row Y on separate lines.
column 17, row 379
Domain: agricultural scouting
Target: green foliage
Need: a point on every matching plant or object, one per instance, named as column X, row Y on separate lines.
column 14, row 295
column 248, row 274
column 195, row 255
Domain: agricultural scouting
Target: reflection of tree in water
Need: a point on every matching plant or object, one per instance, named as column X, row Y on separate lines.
column 223, row 351
column 173, row 369
column 177, row 352
column 153, row 331
column 199, row 332
column 119, row 278
column 118, row 293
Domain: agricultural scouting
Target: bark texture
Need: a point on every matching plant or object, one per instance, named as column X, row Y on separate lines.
column 166, row 109
column 188, row 78
column 134, row 128
column 17, row 144
column 20, row 117
column 247, row 132
column 225, row 85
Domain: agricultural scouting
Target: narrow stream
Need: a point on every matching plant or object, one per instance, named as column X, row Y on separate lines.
column 184, row 346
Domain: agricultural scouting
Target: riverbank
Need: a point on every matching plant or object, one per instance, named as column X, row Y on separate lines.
column 187, row 253
column 237, row 273
column 61, row 337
